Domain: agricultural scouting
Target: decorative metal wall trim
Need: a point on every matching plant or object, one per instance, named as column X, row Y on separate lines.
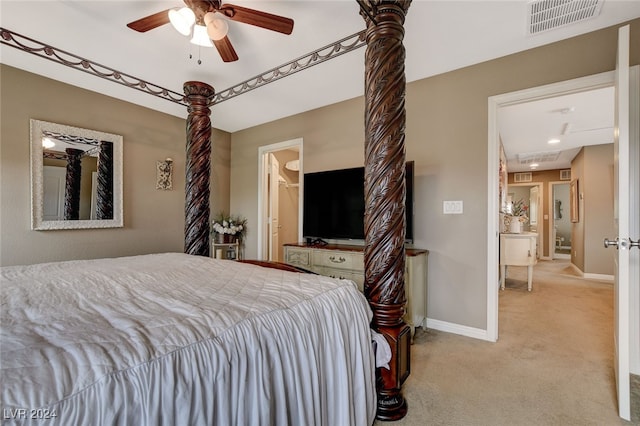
column 318, row 56
column 54, row 155
column 331, row 51
column 71, row 138
column 16, row 40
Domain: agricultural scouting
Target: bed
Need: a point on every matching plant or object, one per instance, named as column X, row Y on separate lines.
column 181, row 339
column 384, row 191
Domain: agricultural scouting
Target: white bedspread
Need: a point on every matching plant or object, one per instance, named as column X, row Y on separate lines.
column 173, row 339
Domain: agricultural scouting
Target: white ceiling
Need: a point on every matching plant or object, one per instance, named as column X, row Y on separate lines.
column 440, row 36
column 575, row 120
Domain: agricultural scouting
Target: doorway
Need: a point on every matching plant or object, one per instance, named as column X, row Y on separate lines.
column 560, row 237
column 583, row 84
column 279, row 198
column 531, row 194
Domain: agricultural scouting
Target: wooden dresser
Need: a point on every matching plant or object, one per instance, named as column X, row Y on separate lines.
column 347, row 262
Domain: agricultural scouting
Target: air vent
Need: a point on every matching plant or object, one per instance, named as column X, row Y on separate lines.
column 522, row 177
column 565, row 174
column 538, row 157
column 545, row 15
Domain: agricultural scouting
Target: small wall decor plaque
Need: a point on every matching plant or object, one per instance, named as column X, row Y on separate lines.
column 164, row 171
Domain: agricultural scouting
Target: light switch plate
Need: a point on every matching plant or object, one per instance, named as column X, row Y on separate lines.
column 452, row 207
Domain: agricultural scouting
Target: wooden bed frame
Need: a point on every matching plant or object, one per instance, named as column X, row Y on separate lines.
column 277, row 265
column 384, row 253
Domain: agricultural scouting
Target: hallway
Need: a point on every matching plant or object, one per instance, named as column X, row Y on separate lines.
column 552, row 364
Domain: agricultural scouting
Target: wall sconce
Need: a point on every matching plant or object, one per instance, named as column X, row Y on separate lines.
column 164, row 170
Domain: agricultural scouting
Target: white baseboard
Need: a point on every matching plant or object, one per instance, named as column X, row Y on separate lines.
column 600, row 277
column 590, row 276
column 462, row 330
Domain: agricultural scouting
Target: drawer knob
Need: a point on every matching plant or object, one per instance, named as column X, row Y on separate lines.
column 338, row 260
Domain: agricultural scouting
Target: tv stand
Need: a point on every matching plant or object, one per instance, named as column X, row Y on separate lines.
column 347, row 262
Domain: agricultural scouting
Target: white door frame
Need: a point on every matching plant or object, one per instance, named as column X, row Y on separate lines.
column 597, row 81
column 540, row 224
column 273, row 207
column 262, row 151
column 552, row 219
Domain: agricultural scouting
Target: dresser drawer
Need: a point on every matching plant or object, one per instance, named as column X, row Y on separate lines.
column 298, row 257
column 339, row 259
column 343, row 274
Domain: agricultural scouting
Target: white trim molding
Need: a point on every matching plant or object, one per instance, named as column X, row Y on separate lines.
column 462, row 330
column 577, row 85
column 279, row 146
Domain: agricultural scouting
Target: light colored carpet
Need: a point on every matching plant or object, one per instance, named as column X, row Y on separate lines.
column 552, row 364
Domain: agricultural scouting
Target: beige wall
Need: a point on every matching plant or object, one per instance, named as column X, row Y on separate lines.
column 446, row 136
column 593, row 168
column 153, row 219
column 577, row 228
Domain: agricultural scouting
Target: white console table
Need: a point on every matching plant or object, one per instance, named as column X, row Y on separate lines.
column 518, row 250
column 347, row 262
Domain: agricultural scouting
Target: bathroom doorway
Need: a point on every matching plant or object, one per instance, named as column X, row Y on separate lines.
column 279, row 216
column 560, row 221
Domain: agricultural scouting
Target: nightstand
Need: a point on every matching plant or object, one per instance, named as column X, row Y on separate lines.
column 229, row 251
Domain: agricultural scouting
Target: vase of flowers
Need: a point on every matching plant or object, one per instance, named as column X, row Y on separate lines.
column 516, row 216
column 228, row 228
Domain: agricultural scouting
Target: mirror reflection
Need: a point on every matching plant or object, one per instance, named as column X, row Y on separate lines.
column 76, row 180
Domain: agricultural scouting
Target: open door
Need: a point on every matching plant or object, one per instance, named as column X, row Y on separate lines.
column 270, row 216
column 535, row 213
column 274, row 202
column 621, row 224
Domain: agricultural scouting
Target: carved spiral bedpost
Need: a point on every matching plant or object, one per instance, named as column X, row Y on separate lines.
column 72, row 184
column 385, row 192
column 104, row 203
column 198, row 168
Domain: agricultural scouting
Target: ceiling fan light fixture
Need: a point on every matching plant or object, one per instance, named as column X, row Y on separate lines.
column 182, row 20
column 200, row 36
column 217, row 29
column 208, row 17
column 48, row 143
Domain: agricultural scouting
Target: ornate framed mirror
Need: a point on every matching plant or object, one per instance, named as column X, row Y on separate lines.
column 76, row 178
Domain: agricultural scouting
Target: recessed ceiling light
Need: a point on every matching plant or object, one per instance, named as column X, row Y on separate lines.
column 48, row 143
column 533, row 165
column 552, row 141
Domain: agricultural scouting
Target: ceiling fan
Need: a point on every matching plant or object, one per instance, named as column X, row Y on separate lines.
column 199, row 17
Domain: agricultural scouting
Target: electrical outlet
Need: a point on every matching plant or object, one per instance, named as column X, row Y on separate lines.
column 452, row 207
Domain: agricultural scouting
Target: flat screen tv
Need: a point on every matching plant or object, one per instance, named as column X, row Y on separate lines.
column 334, row 204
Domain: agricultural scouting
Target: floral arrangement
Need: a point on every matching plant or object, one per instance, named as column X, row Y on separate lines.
column 229, row 225
column 520, row 209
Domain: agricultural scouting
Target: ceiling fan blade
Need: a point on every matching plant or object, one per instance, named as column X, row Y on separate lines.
column 225, row 49
column 150, row 22
column 257, row 18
